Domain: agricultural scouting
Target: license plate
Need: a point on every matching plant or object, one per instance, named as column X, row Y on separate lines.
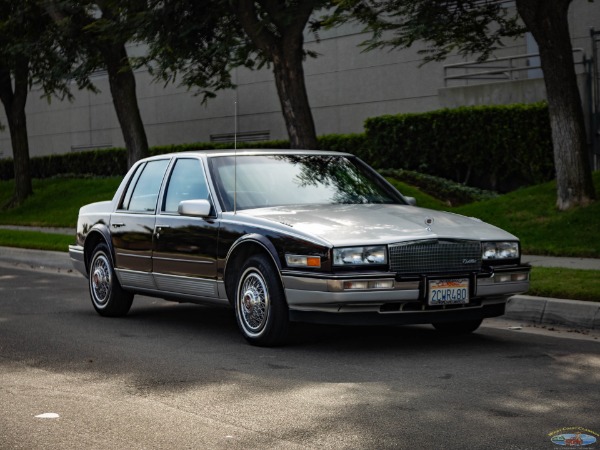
column 454, row 291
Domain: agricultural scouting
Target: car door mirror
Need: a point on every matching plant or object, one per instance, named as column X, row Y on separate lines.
column 411, row 201
column 194, row 208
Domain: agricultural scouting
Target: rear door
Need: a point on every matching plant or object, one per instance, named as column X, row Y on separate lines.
column 132, row 225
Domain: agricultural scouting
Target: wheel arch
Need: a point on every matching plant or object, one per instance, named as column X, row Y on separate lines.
column 95, row 236
column 241, row 250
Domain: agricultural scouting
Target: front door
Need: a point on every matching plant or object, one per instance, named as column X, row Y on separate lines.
column 184, row 260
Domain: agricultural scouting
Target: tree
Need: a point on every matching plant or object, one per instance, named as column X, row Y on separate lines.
column 276, row 29
column 98, row 31
column 479, row 27
column 547, row 22
column 14, row 105
column 28, row 56
column 204, row 40
column 192, row 40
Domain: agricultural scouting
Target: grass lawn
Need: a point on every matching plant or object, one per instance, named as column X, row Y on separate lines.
column 36, row 240
column 424, row 200
column 531, row 215
column 565, row 283
column 56, row 201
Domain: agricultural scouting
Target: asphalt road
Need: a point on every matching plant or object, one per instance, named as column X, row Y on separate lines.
column 176, row 376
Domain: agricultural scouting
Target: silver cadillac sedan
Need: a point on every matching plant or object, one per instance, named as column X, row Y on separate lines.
column 281, row 236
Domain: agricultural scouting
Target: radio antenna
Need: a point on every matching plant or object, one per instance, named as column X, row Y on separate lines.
column 235, row 124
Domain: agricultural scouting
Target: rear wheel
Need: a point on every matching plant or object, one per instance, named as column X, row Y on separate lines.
column 260, row 307
column 108, row 297
column 462, row 327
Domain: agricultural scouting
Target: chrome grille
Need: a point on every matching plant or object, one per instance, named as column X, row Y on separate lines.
column 435, row 256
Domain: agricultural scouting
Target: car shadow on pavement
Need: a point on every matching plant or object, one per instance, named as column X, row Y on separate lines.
column 218, row 323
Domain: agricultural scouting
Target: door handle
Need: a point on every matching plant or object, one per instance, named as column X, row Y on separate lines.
column 158, row 229
column 118, row 225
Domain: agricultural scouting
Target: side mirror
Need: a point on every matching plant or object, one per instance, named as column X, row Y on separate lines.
column 194, row 208
column 411, row 201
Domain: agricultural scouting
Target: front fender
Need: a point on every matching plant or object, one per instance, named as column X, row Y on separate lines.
column 243, row 247
column 256, row 239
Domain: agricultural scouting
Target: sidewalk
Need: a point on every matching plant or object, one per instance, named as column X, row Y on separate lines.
column 525, row 308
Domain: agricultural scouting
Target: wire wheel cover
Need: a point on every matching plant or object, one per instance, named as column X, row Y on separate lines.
column 254, row 302
column 101, row 280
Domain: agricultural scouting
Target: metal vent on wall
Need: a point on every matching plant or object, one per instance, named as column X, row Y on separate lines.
column 83, row 148
column 248, row 136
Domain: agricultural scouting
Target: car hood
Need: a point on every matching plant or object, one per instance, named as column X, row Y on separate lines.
column 374, row 224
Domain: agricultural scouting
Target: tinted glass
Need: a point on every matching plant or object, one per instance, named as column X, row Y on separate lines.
column 276, row 180
column 187, row 182
column 134, row 179
column 145, row 189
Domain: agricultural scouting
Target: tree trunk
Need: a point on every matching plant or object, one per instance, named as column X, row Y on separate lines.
column 285, row 50
column 291, row 88
column 122, row 88
column 14, row 106
column 548, row 23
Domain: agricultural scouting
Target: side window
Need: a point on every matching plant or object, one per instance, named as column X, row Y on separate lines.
column 134, row 179
column 187, row 182
column 142, row 192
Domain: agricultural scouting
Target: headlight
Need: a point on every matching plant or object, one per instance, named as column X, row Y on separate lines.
column 360, row 255
column 500, row 250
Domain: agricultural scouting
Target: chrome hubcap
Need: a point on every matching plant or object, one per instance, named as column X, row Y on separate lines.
column 100, row 280
column 254, row 302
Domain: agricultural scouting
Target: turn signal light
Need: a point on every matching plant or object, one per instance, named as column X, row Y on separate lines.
column 303, row 261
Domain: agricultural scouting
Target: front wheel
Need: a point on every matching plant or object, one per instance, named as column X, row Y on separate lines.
column 461, row 327
column 108, row 297
column 260, row 307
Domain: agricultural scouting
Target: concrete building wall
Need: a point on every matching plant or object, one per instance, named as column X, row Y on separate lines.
column 505, row 93
column 345, row 86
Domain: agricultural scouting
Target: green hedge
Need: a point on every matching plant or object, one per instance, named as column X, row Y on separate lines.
column 357, row 144
column 113, row 161
column 490, row 147
column 104, row 162
column 455, row 194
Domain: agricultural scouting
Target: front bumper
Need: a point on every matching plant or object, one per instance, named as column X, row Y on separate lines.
column 322, row 298
column 352, row 317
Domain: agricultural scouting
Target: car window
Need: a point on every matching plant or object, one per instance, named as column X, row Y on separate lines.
column 187, row 182
column 134, row 179
column 142, row 192
column 258, row 181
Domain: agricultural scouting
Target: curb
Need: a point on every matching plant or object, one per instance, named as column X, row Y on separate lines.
column 554, row 311
column 36, row 259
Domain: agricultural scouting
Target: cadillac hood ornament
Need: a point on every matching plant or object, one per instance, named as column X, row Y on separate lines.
column 429, row 221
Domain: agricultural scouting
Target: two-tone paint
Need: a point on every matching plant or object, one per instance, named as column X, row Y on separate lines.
column 197, row 259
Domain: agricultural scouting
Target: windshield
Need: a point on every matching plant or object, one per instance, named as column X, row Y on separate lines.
column 279, row 180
